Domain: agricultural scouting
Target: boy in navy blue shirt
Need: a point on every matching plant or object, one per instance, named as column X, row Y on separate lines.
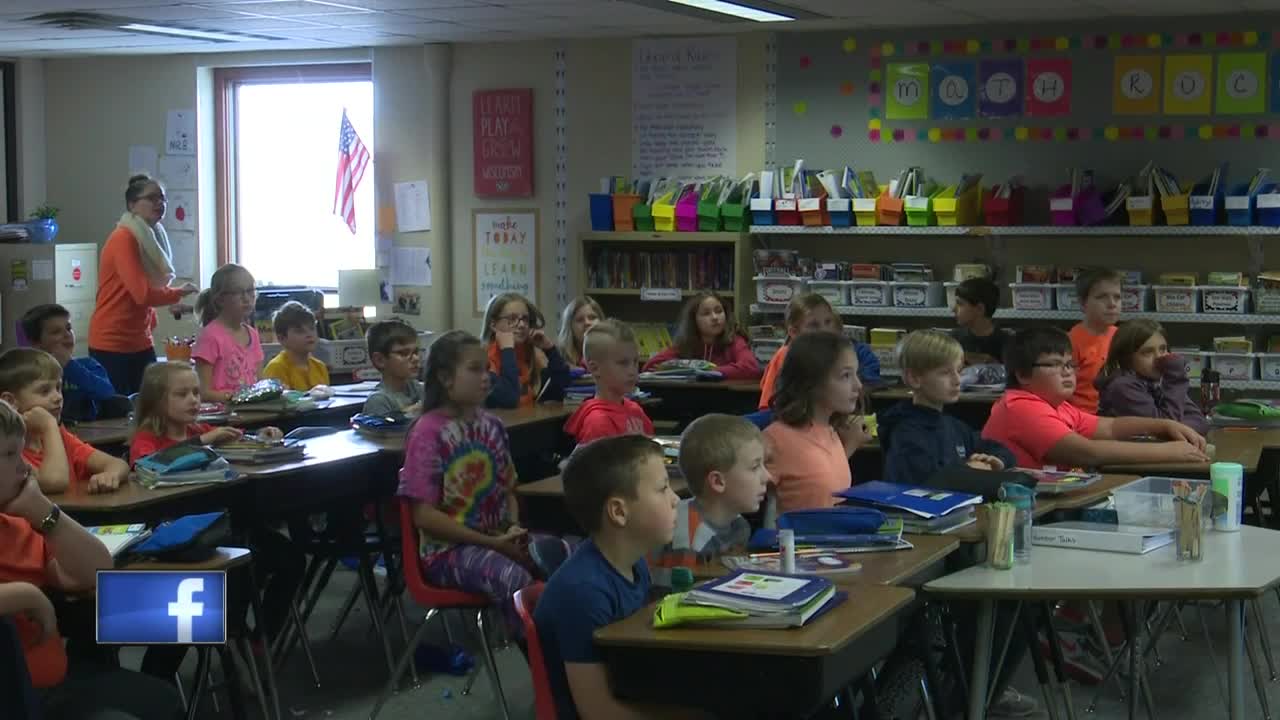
column 919, row 439
column 617, row 490
column 87, row 393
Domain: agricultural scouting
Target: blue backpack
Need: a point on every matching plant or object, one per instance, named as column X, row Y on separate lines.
column 191, row 538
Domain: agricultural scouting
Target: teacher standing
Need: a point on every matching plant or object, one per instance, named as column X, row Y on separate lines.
column 134, row 273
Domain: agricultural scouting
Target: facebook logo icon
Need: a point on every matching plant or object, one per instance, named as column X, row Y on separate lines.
column 156, row 607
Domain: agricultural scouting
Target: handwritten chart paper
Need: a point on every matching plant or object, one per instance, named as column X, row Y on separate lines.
column 505, row 248
column 684, row 107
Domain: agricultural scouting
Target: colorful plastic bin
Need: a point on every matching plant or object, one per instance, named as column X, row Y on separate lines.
column 601, row 212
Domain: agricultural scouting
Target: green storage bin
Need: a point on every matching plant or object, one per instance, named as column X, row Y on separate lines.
column 736, row 216
column 709, row 219
column 642, row 216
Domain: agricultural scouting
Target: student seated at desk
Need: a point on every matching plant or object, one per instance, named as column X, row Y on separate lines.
column 612, row 357
column 168, row 405
column 41, row 549
column 525, row 367
column 917, row 436
column 578, row 317
column 294, row 365
column 816, row 428
column 708, row 332
column 87, row 393
column 31, row 381
column 1036, row 421
column 617, row 489
column 722, row 459
column 1142, row 378
column 460, row 479
column 810, row 312
column 982, row 339
column 394, row 351
column 228, row 352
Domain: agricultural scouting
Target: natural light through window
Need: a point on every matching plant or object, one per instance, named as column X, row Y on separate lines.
column 286, row 167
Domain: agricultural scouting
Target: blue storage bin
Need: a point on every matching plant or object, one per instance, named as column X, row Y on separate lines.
column 762, row 211
column 1267, row 204
column 1240, row 205
column 601, row 212
column 841, row 212
column 1205, row 209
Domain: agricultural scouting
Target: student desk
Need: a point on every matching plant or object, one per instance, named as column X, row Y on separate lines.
column 103, row 433
column 1046, row 504
column 1236, row 567
column 754, row 673
column 899, row 567
column 1244, row 446
column 686, row 400
column 132, row 502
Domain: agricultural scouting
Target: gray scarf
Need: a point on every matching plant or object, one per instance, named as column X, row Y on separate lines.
column 153, row 248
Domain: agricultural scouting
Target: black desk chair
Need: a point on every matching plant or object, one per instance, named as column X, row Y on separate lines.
column 15, row 681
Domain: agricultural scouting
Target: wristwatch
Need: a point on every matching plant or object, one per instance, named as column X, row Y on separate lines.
column 51, row 520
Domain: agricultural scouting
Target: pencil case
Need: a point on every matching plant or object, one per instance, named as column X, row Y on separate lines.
column 844, row 525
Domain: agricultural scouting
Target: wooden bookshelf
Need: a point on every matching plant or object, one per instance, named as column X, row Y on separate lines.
column 629, row 304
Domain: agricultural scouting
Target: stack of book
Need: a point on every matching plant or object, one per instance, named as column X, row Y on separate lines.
column 182, row 464
column 750, row 600
column 215, row 413
column 250, row 449
column 924, row 511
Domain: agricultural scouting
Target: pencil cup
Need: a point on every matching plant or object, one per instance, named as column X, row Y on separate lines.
column 1000, row 535
column 1189, row 530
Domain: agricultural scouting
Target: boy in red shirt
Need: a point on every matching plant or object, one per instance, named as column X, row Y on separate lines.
column 31, row 381
column 1099, row 290
column 1037, row 423
column 42, row 549
column 610, row 353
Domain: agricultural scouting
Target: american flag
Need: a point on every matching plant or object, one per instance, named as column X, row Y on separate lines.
column 353, row 158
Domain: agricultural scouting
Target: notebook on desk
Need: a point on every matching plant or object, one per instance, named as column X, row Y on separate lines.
column 119, row 538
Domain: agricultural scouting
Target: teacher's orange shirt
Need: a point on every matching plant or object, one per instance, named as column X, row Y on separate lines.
column 124, row 314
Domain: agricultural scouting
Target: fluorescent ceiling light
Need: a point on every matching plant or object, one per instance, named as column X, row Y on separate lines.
column 185, row 32
column 734, row 9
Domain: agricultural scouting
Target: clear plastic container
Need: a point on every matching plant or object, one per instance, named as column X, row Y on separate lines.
column 1149, row 502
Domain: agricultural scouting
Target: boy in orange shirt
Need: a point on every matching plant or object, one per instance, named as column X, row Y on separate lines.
column 31, row 381
column 611, row 355
column 41, row 549
column 1099, row 290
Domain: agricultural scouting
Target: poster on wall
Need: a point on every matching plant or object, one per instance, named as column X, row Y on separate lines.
column 684, row 109
column 1048, row 87
column 1000, row 88
column 953, row 96
column 502, row 132
column 907, row 91
column 504, row 254
column 1136, row 89
column 1186, row 84
column 1242, row 83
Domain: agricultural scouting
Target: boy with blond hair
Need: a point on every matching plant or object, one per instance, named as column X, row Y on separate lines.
column 294, row 365
column 722, row 459
column 617, row 489
column 611, row 355
column 31, row 381
column 919, row 439
column 42, row 549
column 1100, row 299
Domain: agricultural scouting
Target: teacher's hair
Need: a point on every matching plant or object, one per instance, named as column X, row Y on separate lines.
column 138, row 184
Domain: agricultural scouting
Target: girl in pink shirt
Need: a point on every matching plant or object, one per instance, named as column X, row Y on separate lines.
column 816, row 427
column 228, row 352
column 707, row 332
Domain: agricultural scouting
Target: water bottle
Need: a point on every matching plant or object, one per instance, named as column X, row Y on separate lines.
column 1023, row 500
column 1210, row 391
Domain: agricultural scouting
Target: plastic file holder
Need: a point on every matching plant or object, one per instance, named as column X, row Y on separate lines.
column 840, row 212
column 687, row 210
column 786, row 211
column 1176, row 209
column 601, row 212
column 1002, row 212
column 919, row 210
column 642, row 217
column 1241, row 206
column 813, row 211
column 1268, row 204
column 762, row 211
column 622, row 218
column 1142, row 209
column 664, row 213
column 864, row 211
column 709, row 217
column 890, row 210
column 952, row 210
column 1204, row 209
column 1085, row 208
column 735, row 216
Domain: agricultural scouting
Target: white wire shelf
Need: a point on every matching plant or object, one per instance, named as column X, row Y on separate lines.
column 1012, row 314
column 1026, row 230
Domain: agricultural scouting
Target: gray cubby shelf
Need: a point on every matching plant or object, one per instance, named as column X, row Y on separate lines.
column 1026, row 230
column 1011, row 314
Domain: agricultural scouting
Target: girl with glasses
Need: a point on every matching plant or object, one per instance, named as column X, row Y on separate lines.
column 525, row 367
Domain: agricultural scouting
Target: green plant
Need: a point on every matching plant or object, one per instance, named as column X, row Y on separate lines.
column 45, row 212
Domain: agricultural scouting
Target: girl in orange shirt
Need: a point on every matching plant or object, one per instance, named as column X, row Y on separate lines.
column 524, row 365
column 816, row 427
column 810, row 312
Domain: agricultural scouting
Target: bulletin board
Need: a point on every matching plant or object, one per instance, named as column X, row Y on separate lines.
column 1013, row 100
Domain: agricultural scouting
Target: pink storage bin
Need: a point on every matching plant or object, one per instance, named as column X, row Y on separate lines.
column 687, row 211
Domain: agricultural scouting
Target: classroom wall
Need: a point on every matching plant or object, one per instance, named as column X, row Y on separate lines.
column 31, row 135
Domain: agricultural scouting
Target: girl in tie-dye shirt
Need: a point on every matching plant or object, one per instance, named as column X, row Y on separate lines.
column 459, row 476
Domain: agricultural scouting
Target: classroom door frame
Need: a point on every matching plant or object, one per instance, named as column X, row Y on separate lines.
column 9, row 76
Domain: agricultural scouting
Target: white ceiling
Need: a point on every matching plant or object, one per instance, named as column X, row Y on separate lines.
column 302, row 24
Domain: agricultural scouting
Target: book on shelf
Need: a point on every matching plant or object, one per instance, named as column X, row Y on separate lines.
column 682, row 269
column 1106, row 537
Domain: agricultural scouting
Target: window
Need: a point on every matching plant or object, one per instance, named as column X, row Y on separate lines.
column 277, row 160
